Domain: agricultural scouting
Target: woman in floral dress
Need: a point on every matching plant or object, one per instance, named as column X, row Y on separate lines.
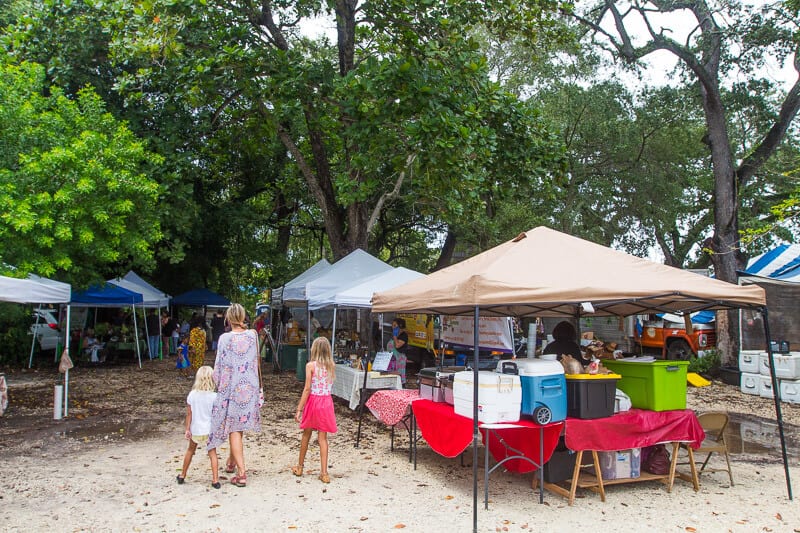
column 237, row 408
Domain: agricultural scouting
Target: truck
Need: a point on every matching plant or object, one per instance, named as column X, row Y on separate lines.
column 667, row 336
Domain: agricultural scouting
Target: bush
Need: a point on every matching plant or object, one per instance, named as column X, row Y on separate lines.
column 707, row 364
column 15, row 343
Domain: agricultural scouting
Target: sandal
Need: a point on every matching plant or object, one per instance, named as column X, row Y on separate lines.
column 325, row 478
column 239, row 481
column 230, row 468
column 180, row 479
column 216, row 485
column 297, row 470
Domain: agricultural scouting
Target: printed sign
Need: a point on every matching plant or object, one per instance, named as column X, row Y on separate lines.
column 494, row 333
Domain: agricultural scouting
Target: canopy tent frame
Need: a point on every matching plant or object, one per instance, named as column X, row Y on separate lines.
column 490, row 283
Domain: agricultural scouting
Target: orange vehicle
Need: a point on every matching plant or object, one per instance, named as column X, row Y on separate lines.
column 667, row 335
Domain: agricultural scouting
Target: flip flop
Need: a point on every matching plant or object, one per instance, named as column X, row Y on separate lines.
column 297, row 470
column 325, row 478
column 216, row 485
column 229, row 468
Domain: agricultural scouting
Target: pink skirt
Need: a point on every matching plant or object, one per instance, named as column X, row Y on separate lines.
column 318, row 414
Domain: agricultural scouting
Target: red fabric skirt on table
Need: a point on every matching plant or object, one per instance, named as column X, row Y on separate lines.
column 318, row 414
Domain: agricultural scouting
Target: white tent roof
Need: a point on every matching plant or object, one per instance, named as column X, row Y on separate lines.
column 353, row 268
column 34, row 289
column 294, row 292
column 360, row 294
column 150, row 298
column 133, row 277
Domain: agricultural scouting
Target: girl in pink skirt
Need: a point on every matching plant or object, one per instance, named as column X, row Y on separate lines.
column 315, row 410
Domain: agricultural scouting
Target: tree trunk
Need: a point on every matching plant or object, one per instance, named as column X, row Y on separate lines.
column 446, row 255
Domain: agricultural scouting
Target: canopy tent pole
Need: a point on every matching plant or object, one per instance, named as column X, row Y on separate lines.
column 361, row 400
column 777, row 398
column 333, row 332
column 136, row 335
column 66, row 374
column 475, row 434
column 33, row 340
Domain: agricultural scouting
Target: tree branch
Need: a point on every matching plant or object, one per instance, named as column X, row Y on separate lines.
column 394, row 193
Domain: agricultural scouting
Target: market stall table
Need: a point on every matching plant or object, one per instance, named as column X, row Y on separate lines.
column 349, row 381
column 521, row 447
column 637, row 428
column 393, row 407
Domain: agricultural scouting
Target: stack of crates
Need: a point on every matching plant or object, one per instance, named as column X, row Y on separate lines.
column 756, row 379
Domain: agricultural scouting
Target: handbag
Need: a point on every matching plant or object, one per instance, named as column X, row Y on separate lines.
column 657, row 461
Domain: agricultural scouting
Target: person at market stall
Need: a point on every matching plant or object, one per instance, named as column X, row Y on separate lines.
column 153, row 335
column 564, row 342
column 238, row 407
column 197, row 343
column 399, row 348
column 217, row 328
column 315, row 326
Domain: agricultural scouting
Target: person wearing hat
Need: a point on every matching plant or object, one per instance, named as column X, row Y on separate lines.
column 564, row 342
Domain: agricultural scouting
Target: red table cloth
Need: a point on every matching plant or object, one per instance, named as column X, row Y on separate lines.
column 449, row 434
column 390, row 406
column 636, row 428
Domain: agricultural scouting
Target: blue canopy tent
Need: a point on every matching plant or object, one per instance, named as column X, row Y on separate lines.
column 109, row 295
column 202, row 298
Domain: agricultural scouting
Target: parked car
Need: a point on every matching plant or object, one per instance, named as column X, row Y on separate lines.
column 46, row 329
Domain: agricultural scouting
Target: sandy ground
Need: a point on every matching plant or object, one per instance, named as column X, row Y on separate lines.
column 111, row 466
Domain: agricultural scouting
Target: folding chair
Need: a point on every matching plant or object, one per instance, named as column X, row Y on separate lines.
column 714, row 424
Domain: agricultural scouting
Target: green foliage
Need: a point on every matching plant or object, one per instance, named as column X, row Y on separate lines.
column 15, row 342
column 75, row 197
column 706, row 364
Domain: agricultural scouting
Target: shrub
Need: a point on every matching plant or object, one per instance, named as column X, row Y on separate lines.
column 15, row 342
column 706, row 364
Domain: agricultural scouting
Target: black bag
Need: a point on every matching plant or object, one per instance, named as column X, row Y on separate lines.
column 657, row 460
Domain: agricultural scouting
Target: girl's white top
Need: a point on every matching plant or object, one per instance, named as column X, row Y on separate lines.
column 201, row 403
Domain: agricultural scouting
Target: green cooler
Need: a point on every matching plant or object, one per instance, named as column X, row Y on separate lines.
column 654, row 385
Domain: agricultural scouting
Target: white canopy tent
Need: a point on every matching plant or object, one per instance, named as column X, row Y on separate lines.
column 38, row 290
column 294, row 292
column 360, row 294
column 151, row 297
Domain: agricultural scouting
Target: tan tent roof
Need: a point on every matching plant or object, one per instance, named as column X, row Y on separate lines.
column 547, row 273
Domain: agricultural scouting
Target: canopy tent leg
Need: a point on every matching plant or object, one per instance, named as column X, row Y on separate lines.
column 66, row 374
column 333, row 332
column 33, row 340
column 475, row 433
column 136, row 336
column 777, row 398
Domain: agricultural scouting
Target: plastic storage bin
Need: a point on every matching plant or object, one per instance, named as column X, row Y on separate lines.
column 750, row 383
column 657, row 385
column 621, row 465
column 561, row 464
column 591, row 396
column 749, row 361
column 544, row 390
column 499, row 396
column 787, row 366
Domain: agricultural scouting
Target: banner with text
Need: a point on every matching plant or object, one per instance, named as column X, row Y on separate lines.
column 494, row 333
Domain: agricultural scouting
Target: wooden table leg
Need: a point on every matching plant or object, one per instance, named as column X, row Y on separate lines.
column 576, row 472
column 599, row 474
column 695, row 479
column 672, row 465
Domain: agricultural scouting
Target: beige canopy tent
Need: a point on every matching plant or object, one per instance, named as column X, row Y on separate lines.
column 543, row 272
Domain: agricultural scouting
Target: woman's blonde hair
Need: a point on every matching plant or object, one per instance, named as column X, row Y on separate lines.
column 235, row 315
column 321, row 353
column 204, row 380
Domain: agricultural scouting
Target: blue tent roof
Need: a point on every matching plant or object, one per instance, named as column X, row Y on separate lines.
column 782, row 263
column 201, row 297
column 106, row 295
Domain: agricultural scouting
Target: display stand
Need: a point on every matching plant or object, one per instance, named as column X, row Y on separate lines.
column 589, row 476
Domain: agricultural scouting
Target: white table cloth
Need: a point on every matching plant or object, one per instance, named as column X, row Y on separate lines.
column 349, row 381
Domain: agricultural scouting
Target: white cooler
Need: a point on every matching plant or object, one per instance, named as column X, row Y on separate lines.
column 499, row 396
column 787, row 366
column 749, row 361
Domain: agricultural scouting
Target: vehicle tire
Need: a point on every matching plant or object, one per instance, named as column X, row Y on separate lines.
column 679, row 351
column 542, row 415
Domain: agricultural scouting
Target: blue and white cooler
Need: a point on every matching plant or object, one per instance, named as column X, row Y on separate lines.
column 544, row 388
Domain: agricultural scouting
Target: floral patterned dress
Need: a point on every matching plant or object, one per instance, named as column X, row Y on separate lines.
column 238, row 388
column 197, row 348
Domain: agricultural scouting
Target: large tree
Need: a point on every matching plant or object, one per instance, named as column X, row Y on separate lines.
column 75, row 196
column 716, row 40
column 400, row 104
